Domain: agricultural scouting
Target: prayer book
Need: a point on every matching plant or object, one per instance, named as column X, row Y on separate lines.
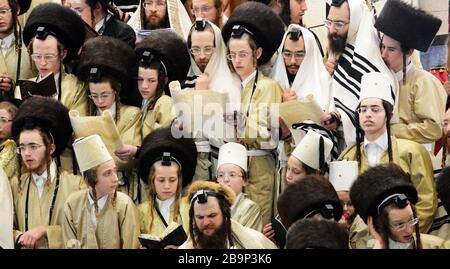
column 45, row 87
column 173, row 235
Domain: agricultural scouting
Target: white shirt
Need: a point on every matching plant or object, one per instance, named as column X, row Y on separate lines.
column 7, row 42
column 112, row 109
column 399, row 74
column 101, row 204
column 238, row 198
column 41, row 179
column 398, row 245
column 374, row 150
column 247, row 80
column 164, row 208
column 99, row 26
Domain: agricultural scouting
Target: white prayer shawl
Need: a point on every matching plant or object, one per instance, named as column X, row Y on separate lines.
column 6, row 212
column 312, row 77
column 362, row 55
column 178, row 18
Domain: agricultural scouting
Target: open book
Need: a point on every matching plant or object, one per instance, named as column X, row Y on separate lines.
column 174, row 234
column 45, row 87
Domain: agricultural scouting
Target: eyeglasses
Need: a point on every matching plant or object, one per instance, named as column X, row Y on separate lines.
column 47, row 57
column 203, row 9
column 160, row 5
column 298, row 55
column 338, row 25
column 32, row 147
column 231, row 175
column 206, row 50
column 241, row 55
column 404, row 226
column 374, row 109
column 4, row 120
column 102, row 96
column 4, row 12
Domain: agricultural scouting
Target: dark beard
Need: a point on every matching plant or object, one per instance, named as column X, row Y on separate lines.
column 290, row 77
column 218, row 240
column 337, row 46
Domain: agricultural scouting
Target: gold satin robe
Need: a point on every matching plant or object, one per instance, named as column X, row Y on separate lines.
column 421, row 107
column 160, row 116
column 262, row 170
column 414, row 159
column 8, row 63
column 38, row 208
column 247, row 213
column 9, row 158
column 117, row 225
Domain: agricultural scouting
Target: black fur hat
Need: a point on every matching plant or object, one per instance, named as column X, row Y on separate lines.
column 412, row 27
column 104, row 55
column 376, row 184
column 259, row 19
column 312, row 194
column 59, row 21
column 443, row 187
column 161, row 141
column 315, row 233
column 170, row 49
column 24, row 6
column 49, row 115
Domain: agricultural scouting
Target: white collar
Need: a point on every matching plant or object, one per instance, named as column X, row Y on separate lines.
column 398, row 245
column 248, row 79
column 100, row 202
column 55, row 76
column 237, row 200
column 43, row 176
column 166, row 203
column 399, row 74
column 8, row 41
column 144, row 104
column 112, row 109
column 99, row 25
column 381, row 141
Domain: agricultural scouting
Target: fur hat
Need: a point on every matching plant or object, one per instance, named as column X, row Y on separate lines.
column 49, row 115
column 62, row 22
column 199, row 185
column 312, row 193
column 443, row 187
column 181, row 150
column 259, row 19
column 377, row 183
column 24, row 6
column 412, row 27
column 316, row 234
column 170, row 49
column 107, row 55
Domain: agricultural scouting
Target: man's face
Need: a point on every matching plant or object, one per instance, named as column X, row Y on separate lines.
column 46, row 56
column 296, row 50
column 298, row 9
column 338, row 28
column 202, row 47
column 447, row 128
column 32, row 151
column 155, row 12
column 391, row 53
column 210, row 229
column 6, row 25
column 82, row 9
column 373, row 123
column 205, row 9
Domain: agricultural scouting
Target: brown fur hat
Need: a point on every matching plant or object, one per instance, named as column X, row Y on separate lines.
column 197, row 185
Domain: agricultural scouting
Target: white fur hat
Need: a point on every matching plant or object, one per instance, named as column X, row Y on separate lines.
column 376, row 85
column 90, row 152
column 308, row 150
column 233, row 153
column 342, row 174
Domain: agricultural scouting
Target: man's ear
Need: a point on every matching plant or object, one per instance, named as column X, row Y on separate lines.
column 259, row 52
column 52, row 148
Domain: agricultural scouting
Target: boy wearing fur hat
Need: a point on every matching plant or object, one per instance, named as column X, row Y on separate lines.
column 375, row 145
column 232, row 172
column 210, row 223
column 421, row 97
column 385, row 199
column 42, row 130
column 14, row 59
column 99, row 217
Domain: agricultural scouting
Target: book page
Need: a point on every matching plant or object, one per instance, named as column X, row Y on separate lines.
column 172, row 226
column 103, row 125
column 298, row 111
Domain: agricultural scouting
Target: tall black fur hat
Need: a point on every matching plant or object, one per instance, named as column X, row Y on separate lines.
column 312, row 194
column 376, row 184
column 170, row 49
column 443, row 187
column 259, row 19
column 412, row 27
column 61, row 22
column 181, row 150
column 104, row 55
column 24, row 6
column 49, row 115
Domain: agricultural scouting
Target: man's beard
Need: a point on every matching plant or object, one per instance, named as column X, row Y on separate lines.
column 290, row 76
column 153, row 24
column 218, row 240
column 337, row 43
